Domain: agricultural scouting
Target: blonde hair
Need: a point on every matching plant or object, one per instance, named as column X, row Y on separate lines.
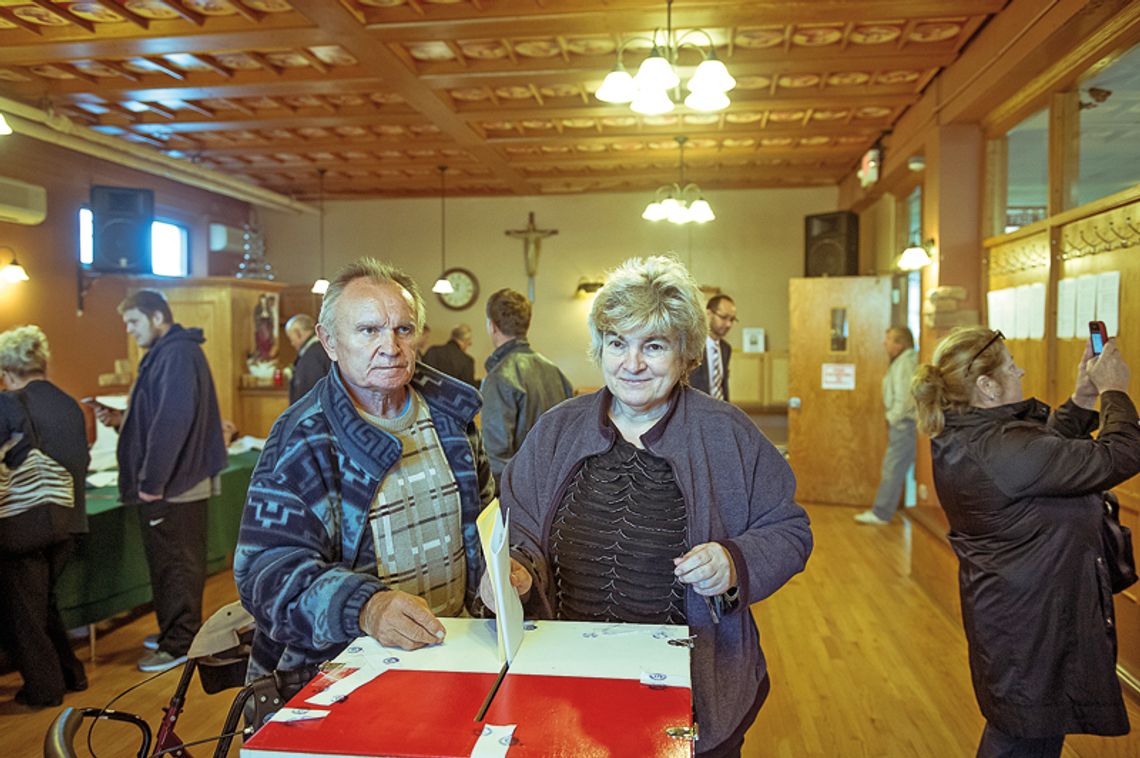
column 24, row 351
column 947, row 382
column 655, row 293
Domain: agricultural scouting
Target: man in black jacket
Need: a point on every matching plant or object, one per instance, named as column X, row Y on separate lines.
column 451, row 357
column 712, row 375
column 170, row 454
column 312, row 362
column 520, row 384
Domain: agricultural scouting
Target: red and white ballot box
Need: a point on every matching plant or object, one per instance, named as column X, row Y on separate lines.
column 570, row 689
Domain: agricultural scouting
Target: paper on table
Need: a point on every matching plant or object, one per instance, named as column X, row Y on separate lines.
column 470, row 647
column 1108, row 300
column 493, row 533
column 290, row 715
column 494, row 742
column 1066, row 309
column 342, row 688
column 604, row 651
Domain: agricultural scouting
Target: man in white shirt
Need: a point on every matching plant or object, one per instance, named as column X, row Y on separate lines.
column 712, row 375
column 899, row 405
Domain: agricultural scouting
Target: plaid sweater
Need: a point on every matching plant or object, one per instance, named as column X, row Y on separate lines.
column 304, row 564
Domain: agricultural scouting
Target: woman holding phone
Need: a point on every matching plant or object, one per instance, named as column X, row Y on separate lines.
column 1023, row 491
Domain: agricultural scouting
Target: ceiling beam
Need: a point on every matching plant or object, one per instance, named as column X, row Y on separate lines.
column 275, row 119
column 335, row 19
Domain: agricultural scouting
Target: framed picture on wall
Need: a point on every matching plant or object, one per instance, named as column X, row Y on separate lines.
column 754, row 339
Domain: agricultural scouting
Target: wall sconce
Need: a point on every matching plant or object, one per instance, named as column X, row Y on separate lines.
column 588, row 285
column 13, row 272
column 917, row 256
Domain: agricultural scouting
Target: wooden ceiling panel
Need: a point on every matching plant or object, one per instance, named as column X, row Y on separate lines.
column 380, row 92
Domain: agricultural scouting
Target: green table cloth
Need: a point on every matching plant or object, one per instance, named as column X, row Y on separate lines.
column 108, row 574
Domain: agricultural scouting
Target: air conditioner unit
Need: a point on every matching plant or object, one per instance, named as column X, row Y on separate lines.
column 22, row 203
column 226, row 239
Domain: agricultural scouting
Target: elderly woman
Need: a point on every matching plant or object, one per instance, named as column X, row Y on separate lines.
column 360, row 517
column 1022, row 489
column 651, row 502
column 36, row 543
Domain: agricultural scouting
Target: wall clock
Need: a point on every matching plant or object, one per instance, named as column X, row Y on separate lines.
column 465, row 289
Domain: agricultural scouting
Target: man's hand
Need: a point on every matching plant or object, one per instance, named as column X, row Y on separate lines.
column 520, row 579
column 146, row 497
column 108, row 416
column 708, row 567
column 1108, row 371
column 1085, row 394
column 398, row 619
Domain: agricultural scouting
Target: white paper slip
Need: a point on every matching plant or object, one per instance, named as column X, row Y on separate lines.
column 290, row 715
column 470, row 646
column 604, row 651
column 494, row 741
column 494, row 534
column 342, row 688
column 662, row 679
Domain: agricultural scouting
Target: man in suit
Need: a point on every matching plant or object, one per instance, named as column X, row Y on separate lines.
column 712, row 375
column 312, row 362
column 451, row 357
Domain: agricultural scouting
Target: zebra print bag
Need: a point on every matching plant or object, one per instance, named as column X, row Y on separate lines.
column 39, row 480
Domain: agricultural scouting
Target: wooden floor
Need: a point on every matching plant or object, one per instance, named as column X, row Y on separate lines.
column 862, row 664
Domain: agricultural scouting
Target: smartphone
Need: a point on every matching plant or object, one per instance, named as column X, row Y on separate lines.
column 1098, row 336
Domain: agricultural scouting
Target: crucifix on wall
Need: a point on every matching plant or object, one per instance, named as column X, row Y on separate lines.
column 532, row 245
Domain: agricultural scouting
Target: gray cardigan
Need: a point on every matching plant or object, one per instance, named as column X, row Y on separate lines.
column 738, row 491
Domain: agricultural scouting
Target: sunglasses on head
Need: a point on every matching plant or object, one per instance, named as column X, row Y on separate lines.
column 996, row 336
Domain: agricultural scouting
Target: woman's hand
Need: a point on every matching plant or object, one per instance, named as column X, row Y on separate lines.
column 708, row 568
column 521, row 580
column 1085, row 394
column 1108, row 371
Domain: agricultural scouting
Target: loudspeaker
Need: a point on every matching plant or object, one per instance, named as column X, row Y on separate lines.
column 831, row 244
column 121, row 223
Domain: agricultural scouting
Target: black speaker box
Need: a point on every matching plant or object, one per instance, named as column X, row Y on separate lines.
column 831, row 244
column 121, row 224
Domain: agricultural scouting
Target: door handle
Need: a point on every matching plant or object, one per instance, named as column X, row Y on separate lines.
column 793, row 403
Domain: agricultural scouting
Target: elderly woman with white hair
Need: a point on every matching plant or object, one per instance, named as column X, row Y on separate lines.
column 35, row 543
column 651, row 502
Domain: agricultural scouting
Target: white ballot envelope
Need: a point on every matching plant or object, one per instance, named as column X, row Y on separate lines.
column 494, row 534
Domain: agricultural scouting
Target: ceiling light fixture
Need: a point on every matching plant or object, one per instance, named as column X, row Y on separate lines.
column 654, row 89
column 321, row 285
column 916, row 256
column 442, row 285
column 5, row 129
column 679, row 203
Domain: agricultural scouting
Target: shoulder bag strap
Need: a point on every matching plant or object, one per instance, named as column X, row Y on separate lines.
column 31, row 421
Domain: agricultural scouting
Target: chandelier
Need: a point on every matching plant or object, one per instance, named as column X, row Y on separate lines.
column 679, row 203
column 655, row 87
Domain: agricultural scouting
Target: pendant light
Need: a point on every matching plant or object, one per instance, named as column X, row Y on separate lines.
column 442, row 285
column 321, row 285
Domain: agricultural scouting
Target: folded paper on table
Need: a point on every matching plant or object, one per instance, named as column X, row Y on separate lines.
column 494, row 534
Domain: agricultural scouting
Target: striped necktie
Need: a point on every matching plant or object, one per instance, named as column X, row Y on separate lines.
column 716, row 388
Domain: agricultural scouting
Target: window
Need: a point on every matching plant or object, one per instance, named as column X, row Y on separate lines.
column 1109, row 107
column 170, row 246
column 1027, row 172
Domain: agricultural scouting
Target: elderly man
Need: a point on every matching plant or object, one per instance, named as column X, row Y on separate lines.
column 712, row 375
column 901, row 441
column 520, row 385
column 451, row 357
column 361, row 513
column 312, row 361
column 170, row 453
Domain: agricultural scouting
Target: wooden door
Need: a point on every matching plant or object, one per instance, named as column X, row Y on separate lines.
column 836, row 429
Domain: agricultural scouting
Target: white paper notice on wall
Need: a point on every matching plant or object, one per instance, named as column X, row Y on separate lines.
column 1086, row 300
column 1108, row 300
column 1007, row 311
column 993, row 308
column 1067, row 309
column 838, row 376
column 1024, row 308
column 1037, row 311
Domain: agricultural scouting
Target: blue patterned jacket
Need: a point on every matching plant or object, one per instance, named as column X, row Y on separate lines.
column 304, row 565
